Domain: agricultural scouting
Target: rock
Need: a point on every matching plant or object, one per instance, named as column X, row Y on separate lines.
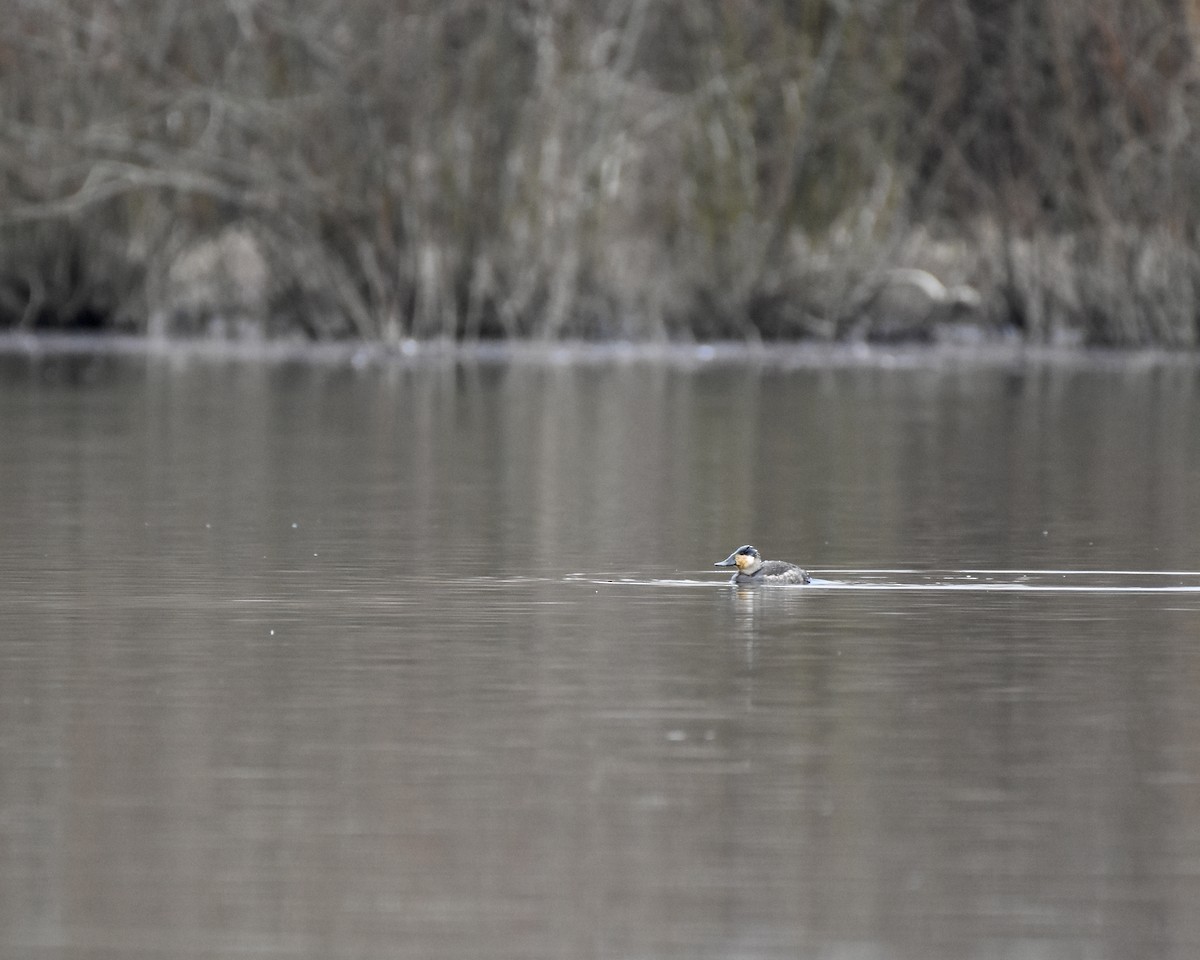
column 219, row 286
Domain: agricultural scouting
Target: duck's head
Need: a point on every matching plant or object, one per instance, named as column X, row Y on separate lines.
column 746, row 559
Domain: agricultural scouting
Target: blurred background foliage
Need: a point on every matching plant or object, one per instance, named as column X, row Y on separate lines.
column 644, row 169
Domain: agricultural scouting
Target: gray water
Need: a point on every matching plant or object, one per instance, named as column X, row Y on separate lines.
column 429, row 660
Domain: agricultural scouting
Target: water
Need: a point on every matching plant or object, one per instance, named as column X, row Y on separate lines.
column 428, row 659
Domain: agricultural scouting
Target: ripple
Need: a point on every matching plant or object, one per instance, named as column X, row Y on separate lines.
column 966, row 580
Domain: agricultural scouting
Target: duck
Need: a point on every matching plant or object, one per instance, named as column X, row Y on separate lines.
column 752, row 568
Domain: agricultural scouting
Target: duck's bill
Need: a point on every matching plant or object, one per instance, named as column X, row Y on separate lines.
column 729, row 561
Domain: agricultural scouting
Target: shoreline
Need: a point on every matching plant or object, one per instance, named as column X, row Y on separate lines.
column 766, row 355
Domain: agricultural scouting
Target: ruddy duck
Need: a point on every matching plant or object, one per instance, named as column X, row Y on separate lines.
column 751, row 568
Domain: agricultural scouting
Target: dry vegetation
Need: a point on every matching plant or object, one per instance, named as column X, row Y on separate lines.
column 626, row 168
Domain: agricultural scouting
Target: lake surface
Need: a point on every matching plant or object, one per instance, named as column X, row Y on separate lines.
column 426, row 658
